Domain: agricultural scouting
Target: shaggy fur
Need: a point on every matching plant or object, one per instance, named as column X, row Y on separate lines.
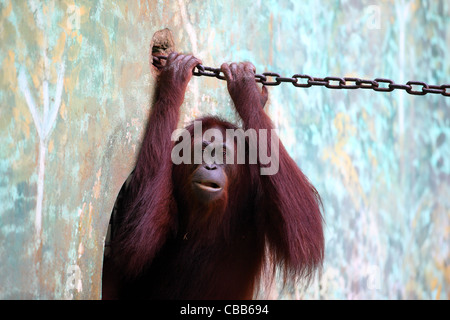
column 168, row 246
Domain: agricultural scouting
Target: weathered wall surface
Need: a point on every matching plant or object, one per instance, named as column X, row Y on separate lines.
column 75, row 87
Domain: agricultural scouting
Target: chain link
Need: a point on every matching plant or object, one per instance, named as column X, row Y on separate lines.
column 306, row 81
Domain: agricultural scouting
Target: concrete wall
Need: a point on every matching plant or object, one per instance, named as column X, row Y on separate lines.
column 75, row 87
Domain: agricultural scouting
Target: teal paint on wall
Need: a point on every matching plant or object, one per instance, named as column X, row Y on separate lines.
column 379, row 160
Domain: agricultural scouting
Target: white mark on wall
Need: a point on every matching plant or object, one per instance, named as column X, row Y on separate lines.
column 373, row 277
column 44, row 125
column 45, row 120
column 374, row 17
column 74, row 17
column 73, row 281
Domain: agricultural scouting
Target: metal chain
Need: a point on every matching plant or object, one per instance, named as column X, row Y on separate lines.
column 328, row 82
